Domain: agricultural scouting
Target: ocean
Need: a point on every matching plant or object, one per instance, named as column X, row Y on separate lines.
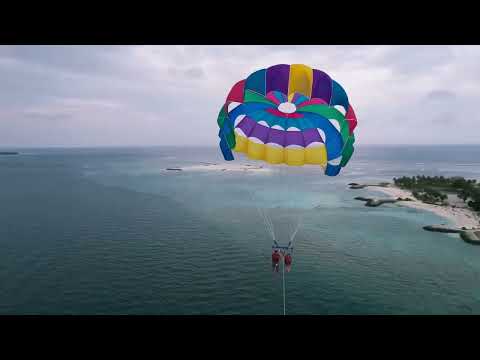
column 110, row 231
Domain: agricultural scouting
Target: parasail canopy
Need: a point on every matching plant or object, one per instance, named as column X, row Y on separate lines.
column 289, row 114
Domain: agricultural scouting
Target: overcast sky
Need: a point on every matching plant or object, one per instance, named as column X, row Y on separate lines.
column 165, row 95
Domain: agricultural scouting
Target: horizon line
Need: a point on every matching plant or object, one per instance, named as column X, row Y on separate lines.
column 196, row 145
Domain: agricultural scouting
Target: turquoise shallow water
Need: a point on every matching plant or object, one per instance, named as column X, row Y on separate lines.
column 109, row 231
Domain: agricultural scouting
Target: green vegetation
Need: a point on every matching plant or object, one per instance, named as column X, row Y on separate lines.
column 428, row 189
column 430, row 196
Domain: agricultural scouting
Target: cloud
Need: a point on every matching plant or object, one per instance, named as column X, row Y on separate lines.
column 195, row 72
column 440, row 95
column 446, row 118
column 165, row 95
column 69, row 108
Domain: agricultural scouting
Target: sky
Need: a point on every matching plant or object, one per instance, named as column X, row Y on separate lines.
column 171, row 95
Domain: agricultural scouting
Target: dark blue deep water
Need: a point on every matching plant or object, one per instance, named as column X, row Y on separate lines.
column 110, row 231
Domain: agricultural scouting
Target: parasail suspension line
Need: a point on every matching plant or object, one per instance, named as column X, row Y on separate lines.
column 283, row 267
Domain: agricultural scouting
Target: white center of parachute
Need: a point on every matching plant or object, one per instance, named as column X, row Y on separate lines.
column 287, row 108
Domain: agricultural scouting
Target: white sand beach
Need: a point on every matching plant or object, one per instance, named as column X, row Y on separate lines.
column 461, row 217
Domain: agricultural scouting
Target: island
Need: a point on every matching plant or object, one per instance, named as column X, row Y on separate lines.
column 373, row 202
column 362, row 186
column 454, row 198
column 8, row 153
column 206, row 166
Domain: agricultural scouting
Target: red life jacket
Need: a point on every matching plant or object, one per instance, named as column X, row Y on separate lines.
column 288, row 260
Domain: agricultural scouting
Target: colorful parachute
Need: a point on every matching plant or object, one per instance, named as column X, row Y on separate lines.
column 287, row 114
